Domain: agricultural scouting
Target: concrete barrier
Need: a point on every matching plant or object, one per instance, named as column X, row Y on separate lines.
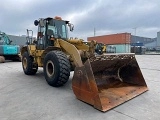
column 2, row 59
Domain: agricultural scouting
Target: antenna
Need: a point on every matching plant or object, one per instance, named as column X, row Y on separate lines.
column 94, row 31
column 135, row 28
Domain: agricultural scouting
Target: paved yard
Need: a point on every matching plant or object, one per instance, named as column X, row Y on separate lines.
column 25, row 97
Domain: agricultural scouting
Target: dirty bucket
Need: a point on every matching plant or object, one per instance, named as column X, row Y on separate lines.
column 106, row 81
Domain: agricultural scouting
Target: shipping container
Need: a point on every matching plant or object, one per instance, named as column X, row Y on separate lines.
column 120, row 38
column 111, row 49
column 121, row 48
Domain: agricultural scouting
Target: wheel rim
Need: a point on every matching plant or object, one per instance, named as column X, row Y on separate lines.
column 25, row 63
column 50, row 68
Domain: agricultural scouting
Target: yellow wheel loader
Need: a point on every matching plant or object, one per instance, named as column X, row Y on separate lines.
column 104, row 81
column 100, row 48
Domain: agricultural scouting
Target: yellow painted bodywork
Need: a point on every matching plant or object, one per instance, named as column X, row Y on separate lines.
column 104, row 48
column 36, row 54
column 74, row 48
column 79, row 44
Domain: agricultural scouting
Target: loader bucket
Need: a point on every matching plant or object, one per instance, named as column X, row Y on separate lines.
column 107, row 81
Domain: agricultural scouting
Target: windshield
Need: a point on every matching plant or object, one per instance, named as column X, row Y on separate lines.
column 59, row 28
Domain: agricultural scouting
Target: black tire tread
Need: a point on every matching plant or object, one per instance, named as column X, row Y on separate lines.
column 30, row 70
column 64, row 69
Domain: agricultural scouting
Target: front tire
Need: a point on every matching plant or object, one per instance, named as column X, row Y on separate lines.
column 56, row 68
column 27, row 63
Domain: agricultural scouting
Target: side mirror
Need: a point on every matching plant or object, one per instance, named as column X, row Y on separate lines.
column 36, row 22
column 71, row 26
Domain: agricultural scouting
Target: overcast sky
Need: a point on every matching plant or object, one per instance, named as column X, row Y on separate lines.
column 106, row 16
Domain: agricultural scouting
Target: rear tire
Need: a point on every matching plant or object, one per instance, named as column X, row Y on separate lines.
column 56, row 68
column 27, row 63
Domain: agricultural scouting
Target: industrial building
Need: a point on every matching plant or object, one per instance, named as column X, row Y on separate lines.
column 18, row 40
column 142, row 44
column 127, row 43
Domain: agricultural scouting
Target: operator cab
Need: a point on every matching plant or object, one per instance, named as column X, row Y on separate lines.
column 50, row 29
